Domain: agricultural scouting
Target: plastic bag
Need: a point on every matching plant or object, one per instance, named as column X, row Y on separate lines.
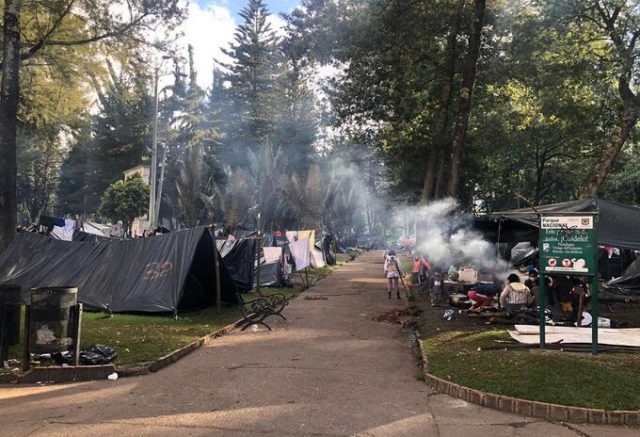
column 92, row 356
column 448, row 314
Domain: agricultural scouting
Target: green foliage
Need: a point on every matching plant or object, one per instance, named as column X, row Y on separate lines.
column 190, row 132
column 252, row 94
column 269, row 181
column 75, row 174
column 40, row 156
column 624, row 184
column 120, row 135
column 545, row 103
column 237, row 199
column 63, row 43
column 125, row 200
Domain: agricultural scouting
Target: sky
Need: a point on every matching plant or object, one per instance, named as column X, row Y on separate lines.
column 210, row 27
column 275, row 6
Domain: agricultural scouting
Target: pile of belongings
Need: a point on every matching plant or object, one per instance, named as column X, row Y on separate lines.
column 92, row 356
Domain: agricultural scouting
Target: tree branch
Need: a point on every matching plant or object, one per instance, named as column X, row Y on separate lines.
column 37, row 46
column 44, row 42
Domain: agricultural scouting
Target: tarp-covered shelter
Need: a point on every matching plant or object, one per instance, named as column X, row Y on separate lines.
column 239, row 257
column 326, row 245
column 629, row 281
column 618, row 226
column 276, row 265
column 96, row 229
column 270, row 274
column 157, row 274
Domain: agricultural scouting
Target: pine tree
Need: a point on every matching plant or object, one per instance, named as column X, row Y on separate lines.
column 193, row 172
column 253, row 77
column 297, row 128
column 121, row 131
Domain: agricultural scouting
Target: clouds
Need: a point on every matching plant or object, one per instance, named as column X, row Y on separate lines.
column 209, row 28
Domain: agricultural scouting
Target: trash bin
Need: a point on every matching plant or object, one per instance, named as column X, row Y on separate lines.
column 10, row 304
column 50, row 327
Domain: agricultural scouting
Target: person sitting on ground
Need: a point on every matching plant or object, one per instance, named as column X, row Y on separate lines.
column 481, row 295
column 515, row 295
column 567, row 292
column 392, row 272
column 533, row 281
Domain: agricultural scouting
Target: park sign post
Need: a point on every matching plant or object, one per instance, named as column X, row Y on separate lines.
column 568, row 246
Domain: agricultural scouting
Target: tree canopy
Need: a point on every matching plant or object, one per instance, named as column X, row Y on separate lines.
column 349, row 106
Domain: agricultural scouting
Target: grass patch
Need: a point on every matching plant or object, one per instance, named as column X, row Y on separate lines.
column 142, row 338
column 608, row 381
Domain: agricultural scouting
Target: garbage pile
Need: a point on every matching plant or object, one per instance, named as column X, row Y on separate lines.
column 92, row 356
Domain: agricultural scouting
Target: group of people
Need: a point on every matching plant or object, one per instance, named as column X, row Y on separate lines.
column 514, row 294
column 419, row 272
column 562, row 293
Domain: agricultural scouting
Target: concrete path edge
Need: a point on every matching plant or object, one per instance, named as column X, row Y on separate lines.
column 525, row 407
column 177, row 354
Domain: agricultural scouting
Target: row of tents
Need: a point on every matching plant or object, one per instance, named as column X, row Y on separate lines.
column 165, row 273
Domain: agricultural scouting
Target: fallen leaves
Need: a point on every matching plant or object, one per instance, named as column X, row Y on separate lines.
column 393, row 316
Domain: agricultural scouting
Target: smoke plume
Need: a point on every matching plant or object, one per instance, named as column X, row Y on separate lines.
column 447, row 238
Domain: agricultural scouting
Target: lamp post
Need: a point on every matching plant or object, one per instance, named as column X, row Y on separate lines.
column 154, row 151
column 163, row 164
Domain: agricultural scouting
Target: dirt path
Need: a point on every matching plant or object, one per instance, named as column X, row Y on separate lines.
column 328, row 371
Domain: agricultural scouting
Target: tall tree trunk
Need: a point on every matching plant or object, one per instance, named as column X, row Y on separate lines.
column 438, row 147
column 619, row 135
column 466, row 92
column 440, row 177
column 9, row 89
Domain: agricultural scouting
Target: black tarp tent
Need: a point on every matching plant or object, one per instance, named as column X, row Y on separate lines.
column 629, row 281
column 87, row 237
column 618, row 225
column 156, row 274
column 327, row 249
column 270, row 274
column 239, row 258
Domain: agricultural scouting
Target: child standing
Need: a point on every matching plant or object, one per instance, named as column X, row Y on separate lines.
column 436, row 288
column 392, row 272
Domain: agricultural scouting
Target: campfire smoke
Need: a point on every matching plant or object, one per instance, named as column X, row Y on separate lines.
column 447, row 238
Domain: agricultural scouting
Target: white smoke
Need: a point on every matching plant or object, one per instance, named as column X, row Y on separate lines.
column 447, row 238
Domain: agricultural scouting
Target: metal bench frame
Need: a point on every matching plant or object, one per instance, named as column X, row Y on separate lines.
column 255, row 311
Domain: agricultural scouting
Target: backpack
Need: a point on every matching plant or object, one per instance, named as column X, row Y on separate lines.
column 392, row 265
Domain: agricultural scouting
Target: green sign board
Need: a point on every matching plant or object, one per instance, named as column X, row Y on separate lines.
column 568, row 244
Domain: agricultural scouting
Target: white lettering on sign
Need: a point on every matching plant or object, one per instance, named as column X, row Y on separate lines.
column 567, row 222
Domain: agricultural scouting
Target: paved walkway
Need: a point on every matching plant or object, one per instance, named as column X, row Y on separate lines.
column 328, row 371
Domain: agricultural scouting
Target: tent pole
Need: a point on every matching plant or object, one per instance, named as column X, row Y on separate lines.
column 216, row 269
column 258, row 249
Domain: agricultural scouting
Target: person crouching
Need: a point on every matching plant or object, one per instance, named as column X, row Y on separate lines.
column 515, row 295
column 481, row 295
